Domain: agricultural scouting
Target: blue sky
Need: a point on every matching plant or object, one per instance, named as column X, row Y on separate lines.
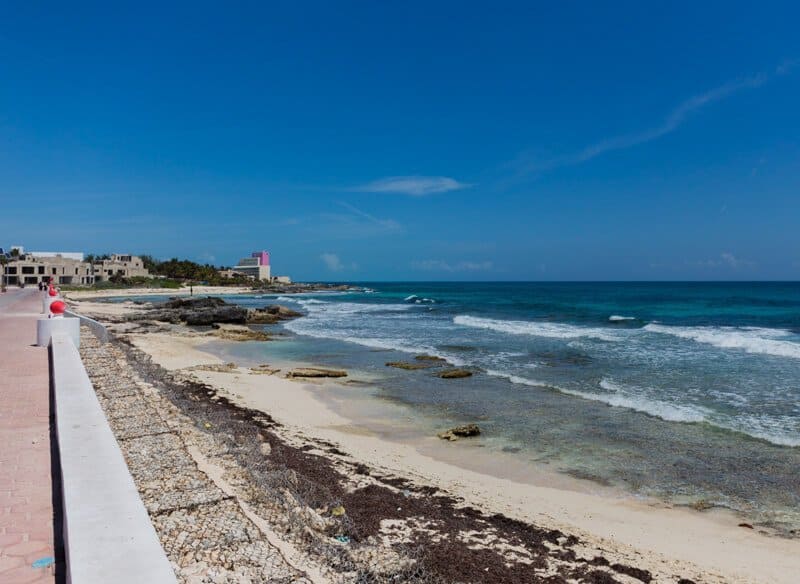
column 409, row 140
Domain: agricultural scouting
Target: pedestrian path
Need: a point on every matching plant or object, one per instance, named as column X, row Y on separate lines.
column 27, row 551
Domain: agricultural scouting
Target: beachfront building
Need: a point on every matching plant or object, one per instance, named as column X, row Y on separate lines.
column 63, row 268
column 256, row 266
column 231, row 273
column 70, row 255
column 119, row 265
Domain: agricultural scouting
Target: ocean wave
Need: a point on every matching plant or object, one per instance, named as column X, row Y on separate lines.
column 656, row 408
column 537, row 329
column 618, row 318
column 621, row 396
column 321, row 331
column 317, row 307
column 750, row 339
column 769, row 428
column 766, row 428
column 515, row 378
column 418, row 300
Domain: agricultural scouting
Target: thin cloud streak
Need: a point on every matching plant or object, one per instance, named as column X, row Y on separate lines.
column 415, row 186
column 443, row 266
column 386, row 224
column 673, row 121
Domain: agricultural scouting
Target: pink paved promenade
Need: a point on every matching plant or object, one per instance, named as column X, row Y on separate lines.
column 26, row 510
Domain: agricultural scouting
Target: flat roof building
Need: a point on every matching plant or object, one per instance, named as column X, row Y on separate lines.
column 70, row 255
column 29, row 269
column 121, row 265
column 256, row 266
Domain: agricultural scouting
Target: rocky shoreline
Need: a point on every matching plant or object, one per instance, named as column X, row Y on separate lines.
column 236, row 497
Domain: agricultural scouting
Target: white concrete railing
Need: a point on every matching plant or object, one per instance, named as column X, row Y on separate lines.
column 108, row 536
column 97, row 328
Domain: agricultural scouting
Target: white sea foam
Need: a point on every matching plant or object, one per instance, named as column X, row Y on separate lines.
column 286, row 299
column 391, row 344
column 618, row 318
column 769, row 428
column 418, row 300
column 339, row 321
column 621, row 396
column 514, row 378
column 315, row 306
column 750, row 339
column 659, row 409
column 776, row 430
column 538, row 329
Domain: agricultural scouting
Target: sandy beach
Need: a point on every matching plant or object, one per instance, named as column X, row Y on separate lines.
column 702, row 547
column 663, row 539
column 184, row 291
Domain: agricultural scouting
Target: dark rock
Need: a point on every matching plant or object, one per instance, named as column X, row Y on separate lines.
column 238, row 332
column 455, row 373
column 313, row 372
column 454, row 434
column 407, row 365
column 194, row 312
column 195, row 303
column 271, row 314
column 430, row 358
column 222, row 314
column 642, row 575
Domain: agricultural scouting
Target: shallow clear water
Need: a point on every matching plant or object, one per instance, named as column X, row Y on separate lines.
column 684, row 391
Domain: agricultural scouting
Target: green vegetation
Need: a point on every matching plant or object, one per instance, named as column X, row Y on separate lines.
column 170, row 274
column 122, row 283
column 192, row 272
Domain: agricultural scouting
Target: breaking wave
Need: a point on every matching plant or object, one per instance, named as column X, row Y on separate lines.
column 750, row 339
column 618, row 318
column 537, row 329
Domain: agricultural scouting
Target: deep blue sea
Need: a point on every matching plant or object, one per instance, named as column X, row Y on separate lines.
column 685, row 391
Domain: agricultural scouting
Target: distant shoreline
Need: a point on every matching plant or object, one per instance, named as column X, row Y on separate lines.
column 294, row 288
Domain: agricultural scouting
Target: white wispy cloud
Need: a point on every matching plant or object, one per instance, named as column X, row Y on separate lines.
column 726, row 260
column 350, row 223
column 443, row 266
column 334, row 263
column 416, row 186
column 385, row 224
column 672, row 122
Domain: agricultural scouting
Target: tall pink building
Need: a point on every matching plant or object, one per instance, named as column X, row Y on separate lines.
column 263, row 257
column 256, row 266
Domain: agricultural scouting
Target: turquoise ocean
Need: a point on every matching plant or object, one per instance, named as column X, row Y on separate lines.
column 689, row 392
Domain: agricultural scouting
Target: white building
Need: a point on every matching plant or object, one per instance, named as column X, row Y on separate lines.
column 67, row 255
column 256, row 266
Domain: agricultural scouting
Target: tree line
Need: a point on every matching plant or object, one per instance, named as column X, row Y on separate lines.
column 182, row 270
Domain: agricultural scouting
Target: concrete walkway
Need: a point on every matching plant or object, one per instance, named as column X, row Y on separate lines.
column 27, row 551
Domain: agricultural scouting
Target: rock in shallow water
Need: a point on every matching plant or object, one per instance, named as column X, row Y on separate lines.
column 316, row 372
column 407, row 365
column 271, row 314
column 454, row 434
column 455, row 373
column 238, row 332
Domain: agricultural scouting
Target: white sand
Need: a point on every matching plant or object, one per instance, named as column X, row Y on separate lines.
column 707, row 547
column 184, row 291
